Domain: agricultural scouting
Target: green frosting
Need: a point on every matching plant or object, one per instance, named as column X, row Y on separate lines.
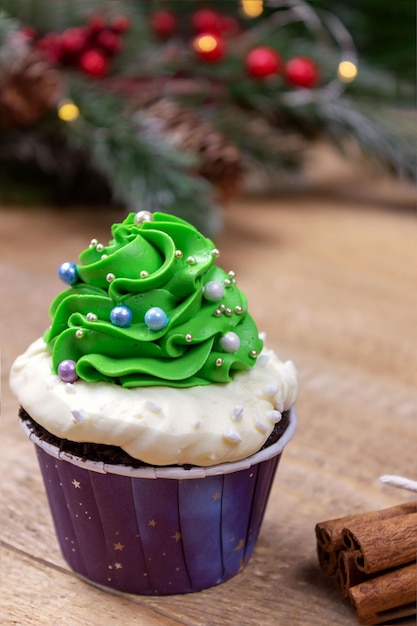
column 163, row 263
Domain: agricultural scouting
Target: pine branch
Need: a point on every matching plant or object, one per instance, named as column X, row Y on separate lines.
column 385, row 135
column 263, row 145
column 144, row 171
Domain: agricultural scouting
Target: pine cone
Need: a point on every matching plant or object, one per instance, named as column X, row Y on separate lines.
column 29, row 85
column 219, row 160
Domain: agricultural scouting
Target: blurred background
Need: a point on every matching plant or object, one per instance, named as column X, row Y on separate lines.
column 183, row 106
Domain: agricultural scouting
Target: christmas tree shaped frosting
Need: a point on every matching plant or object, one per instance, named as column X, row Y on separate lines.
column 151, row 308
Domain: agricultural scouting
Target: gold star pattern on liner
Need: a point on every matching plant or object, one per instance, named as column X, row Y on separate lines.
column 152, row 523
column 76, row 484
column 216, row 496
column 118, row 546
column 239, row 546
column 176, row 536
column 118, row 566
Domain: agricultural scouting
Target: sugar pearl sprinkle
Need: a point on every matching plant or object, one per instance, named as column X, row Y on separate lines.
column 143, row 216
column 67, row 272
column 110, row 277
column 213, row 291
column 188, row 337
column 156, row 318
column 66, row 371
column 179, row 254
column 121, row 316
column 92, row 317
column 230, row 342
column 79, row 333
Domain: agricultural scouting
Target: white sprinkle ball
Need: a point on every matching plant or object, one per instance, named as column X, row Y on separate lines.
column 230, row 342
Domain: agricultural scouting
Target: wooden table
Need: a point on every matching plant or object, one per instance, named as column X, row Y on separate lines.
column 331, row 277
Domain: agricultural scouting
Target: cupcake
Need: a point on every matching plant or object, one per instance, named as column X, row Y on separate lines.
column 158, row 415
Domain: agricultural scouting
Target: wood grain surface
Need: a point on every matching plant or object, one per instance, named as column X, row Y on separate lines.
column 331, row 277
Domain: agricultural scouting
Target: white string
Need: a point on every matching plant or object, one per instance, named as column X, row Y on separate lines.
column 399, row 481
column 325, row 27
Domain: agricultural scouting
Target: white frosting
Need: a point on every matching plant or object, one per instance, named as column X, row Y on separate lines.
column 160, row 425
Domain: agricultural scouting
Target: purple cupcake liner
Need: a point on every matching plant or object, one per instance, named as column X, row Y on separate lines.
column 158, row 530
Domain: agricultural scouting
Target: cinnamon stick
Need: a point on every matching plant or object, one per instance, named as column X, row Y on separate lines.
column 329, row 533
column 382, row 544
column 386, row 597
column 327, row 560
column 347, row 573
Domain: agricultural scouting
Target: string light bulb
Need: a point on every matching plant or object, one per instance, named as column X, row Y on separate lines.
column 209, row 47
column 68, row 111
column 205, row 43
column 347, row 71
column 252, row 8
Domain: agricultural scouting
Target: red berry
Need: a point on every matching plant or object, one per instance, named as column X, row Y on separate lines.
column 205, row 21
column 50, row 45
column 262, row 62
column 209, row 47
column 120, row 24
column 96, row 24
column 164, row 23
column 72, row 40
column 28, row 31
column 302, row 72
column 228, row 25
column 94, row 63
column 109, row 41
